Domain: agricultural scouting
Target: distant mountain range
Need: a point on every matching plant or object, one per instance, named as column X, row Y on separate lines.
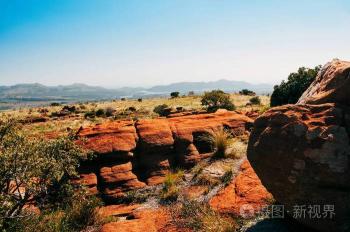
column 81, row 92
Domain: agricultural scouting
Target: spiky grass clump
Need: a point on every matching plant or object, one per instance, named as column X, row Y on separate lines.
column 220, row 141
column 200, row 217
column 170, row 190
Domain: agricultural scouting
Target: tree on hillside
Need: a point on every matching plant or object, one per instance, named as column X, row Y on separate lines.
column 174, row 94
column 217, row 99
column 288, row 92
column 33, row 170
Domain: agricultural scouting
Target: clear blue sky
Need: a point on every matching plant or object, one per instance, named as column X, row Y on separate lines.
column 142, row 43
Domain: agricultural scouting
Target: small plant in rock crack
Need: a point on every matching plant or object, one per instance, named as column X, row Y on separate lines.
column 134, row 196
column 227, row 177
column 220, row 141
column 170, row 190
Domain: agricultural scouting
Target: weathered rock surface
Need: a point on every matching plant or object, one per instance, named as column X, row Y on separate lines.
column 245, row 192
column 131, row 155
column 152, row 220
column 332, row 85
column 301, row 152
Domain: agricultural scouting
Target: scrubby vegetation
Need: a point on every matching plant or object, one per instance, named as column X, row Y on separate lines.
column 200, row 217
column 174, row 94
column 288, row 92
column 76, row 215
column 162, row 110
column 247, row 92
column 255, row 101
column 217, row 99
column 220, row 141
column 35, row 174
column 170, row 190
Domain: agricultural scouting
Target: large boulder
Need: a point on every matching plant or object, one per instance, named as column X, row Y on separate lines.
column 301, row 152
column 332, row 85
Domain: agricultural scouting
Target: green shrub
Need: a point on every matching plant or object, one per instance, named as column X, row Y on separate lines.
column 162, row 110
column 290, row 91
column 44, row 167
column 109, row 111
column 174, row 94
column 247, row 92
column 170, row 189
column 132, row 109
column 217, row 99
column 90, row 114
column 79, row 214
column 100, row 113
column 255, row 101
column 227, row 177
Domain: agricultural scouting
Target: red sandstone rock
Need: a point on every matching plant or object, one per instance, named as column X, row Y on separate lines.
column 146, row 150
column 246, row 190
column 116, row 179
column 117, row 210
column 110, row 137
column 332, row 85
column 89, row 180
column 151, row 220
column 154, row 133
column 301, row 152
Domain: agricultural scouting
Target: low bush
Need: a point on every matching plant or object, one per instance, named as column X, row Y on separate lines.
column 100, row 113
column 44, row 168
column 90, row 114
column 217, row 99
column 55, row 104
column 132, row 109
column 162, row 110
column 109, row 111
column 247, row 92
column 174, row 94
column 78, row 215
column 255, row 101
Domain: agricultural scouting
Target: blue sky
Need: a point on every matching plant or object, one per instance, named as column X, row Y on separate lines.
column 115, row 43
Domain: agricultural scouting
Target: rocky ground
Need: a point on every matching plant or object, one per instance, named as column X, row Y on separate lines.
column 136, row 159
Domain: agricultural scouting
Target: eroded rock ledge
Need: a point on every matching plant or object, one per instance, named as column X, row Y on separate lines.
column 132, row 155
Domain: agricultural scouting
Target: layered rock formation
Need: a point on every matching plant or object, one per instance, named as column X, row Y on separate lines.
column 301, row 152
column 131, row 155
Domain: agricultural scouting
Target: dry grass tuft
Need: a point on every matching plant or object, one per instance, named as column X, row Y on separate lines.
column 200, row 217
column 170, row 190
